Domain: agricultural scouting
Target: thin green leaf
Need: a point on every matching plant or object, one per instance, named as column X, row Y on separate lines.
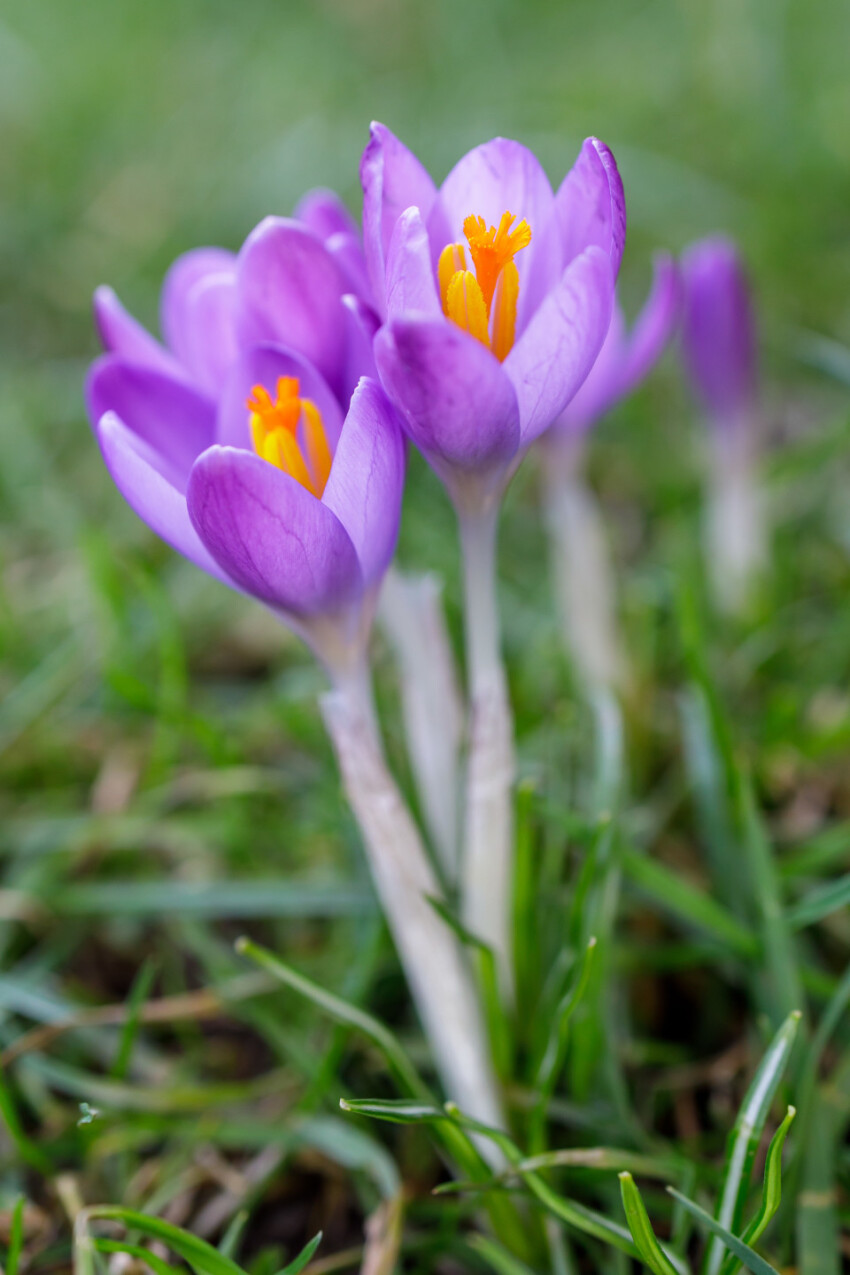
column 229, row 1243
column 552, row 1062
column 641, row 1228
column 696, row 908
column 497, row 1257
column 197, row 1253
column 772, row 1192
column 820, row 903
column 746, row 1256
column 156, row 1264
column 303, row 1257
column 394, row 1110
column 745, row 1135
column 138, row 995
column 350, row 1015
column 16, row 1238
column 29, row 1151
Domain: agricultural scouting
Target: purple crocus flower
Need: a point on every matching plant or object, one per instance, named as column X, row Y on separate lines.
column 490, row 323
column 718, row 331
column 626, row 357
column 233, row 441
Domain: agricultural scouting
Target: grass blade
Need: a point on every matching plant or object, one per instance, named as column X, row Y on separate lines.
column 303, row 1257
column 197, row 1253
column 746, row 1256
column 138, row 995
column 745, row 1136
column 772, row 1193
column 16, row 1238
column 640, row 1226
column 820, row 903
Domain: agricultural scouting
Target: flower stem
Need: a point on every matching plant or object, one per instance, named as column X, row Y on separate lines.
column 412, row 616
column 433, row 960
column 581, row 570
column 488, row 851
column 735, row 525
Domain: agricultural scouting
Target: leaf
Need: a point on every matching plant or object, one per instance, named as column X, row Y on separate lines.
column 138, row 995
column 298, row 1263
column 641, row 1228
column 747, row 1256
column 156, row 1264
column 820, row 903
column 744, row 1138
column 16, row 1238
column 197, row 1253
column 772, row 1193
column 498, row 1258
column 394, row 1110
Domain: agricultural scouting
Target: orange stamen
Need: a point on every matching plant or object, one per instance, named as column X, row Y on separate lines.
column 275, row 426
column 484, row 303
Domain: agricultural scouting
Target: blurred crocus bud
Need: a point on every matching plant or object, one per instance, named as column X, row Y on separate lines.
column 718, row 331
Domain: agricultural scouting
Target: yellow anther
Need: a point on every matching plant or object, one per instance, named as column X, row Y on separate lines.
column 484, row 303
column 452, row 259
column 276, row 425
column 465, row 305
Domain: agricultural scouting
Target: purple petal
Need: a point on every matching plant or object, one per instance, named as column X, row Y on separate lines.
column 174, row 420
column 289, row 291
column 591, row 205
column 718, row 330
column 264, row 365
column 411, row 285
column 348, row 255
column 183, row 275
column 208, row 345
column 457, row 404
column 367, row 478
column 149, row 493
column 121, row 334
column 625, row 360
column 504, row 176
column 271, row 535
column 323, row 212
column 393, row 179
column 558, row 348
column 361, row 324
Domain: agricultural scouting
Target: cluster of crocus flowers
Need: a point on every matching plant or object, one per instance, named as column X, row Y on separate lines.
column 264, row 438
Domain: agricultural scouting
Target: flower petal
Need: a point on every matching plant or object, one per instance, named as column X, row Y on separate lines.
column 591, row 205
column 348, row 255
column 271, row 535
column 393, row 179
column 264, row 365
column 183, row 275
column 367, row 478
column 502, row 176
column 361, row 324
column 411, row 285
column 323, row 212
column 558, row 348
column 121, row 334
column 289, row 290
column 718, row 328
column 174, row 420
column 457, row 404
column 209, row 343
column 149, row 493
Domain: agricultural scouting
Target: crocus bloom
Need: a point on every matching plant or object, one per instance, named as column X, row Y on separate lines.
column 626, row 357
column 298, row 282
column 496, row 295
column 718, row 331
column 235, row 447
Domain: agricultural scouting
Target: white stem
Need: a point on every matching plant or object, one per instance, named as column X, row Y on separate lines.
column 433, row 961
column 735, row 524
column 411, row 613
column 581, row 568
column 489, row 835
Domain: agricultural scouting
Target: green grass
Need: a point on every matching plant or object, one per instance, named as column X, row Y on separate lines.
column 165, row 783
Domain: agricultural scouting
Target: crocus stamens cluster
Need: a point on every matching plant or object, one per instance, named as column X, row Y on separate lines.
column 484, row 302
column 289, row 432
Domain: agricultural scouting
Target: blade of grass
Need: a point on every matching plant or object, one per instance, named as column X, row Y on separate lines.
column 16, row 1238
column 138, row 995
column 640, row 1226
column 298, row 1264
column 197, row 1253
column 745, row 1255
column 744, row 1138
column 819, row 904
column 771, row 1194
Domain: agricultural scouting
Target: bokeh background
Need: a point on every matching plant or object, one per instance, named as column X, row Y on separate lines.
column 164, row 780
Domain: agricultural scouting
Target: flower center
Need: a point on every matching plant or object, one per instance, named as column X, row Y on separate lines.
column 483, row 302
column 288, row 432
